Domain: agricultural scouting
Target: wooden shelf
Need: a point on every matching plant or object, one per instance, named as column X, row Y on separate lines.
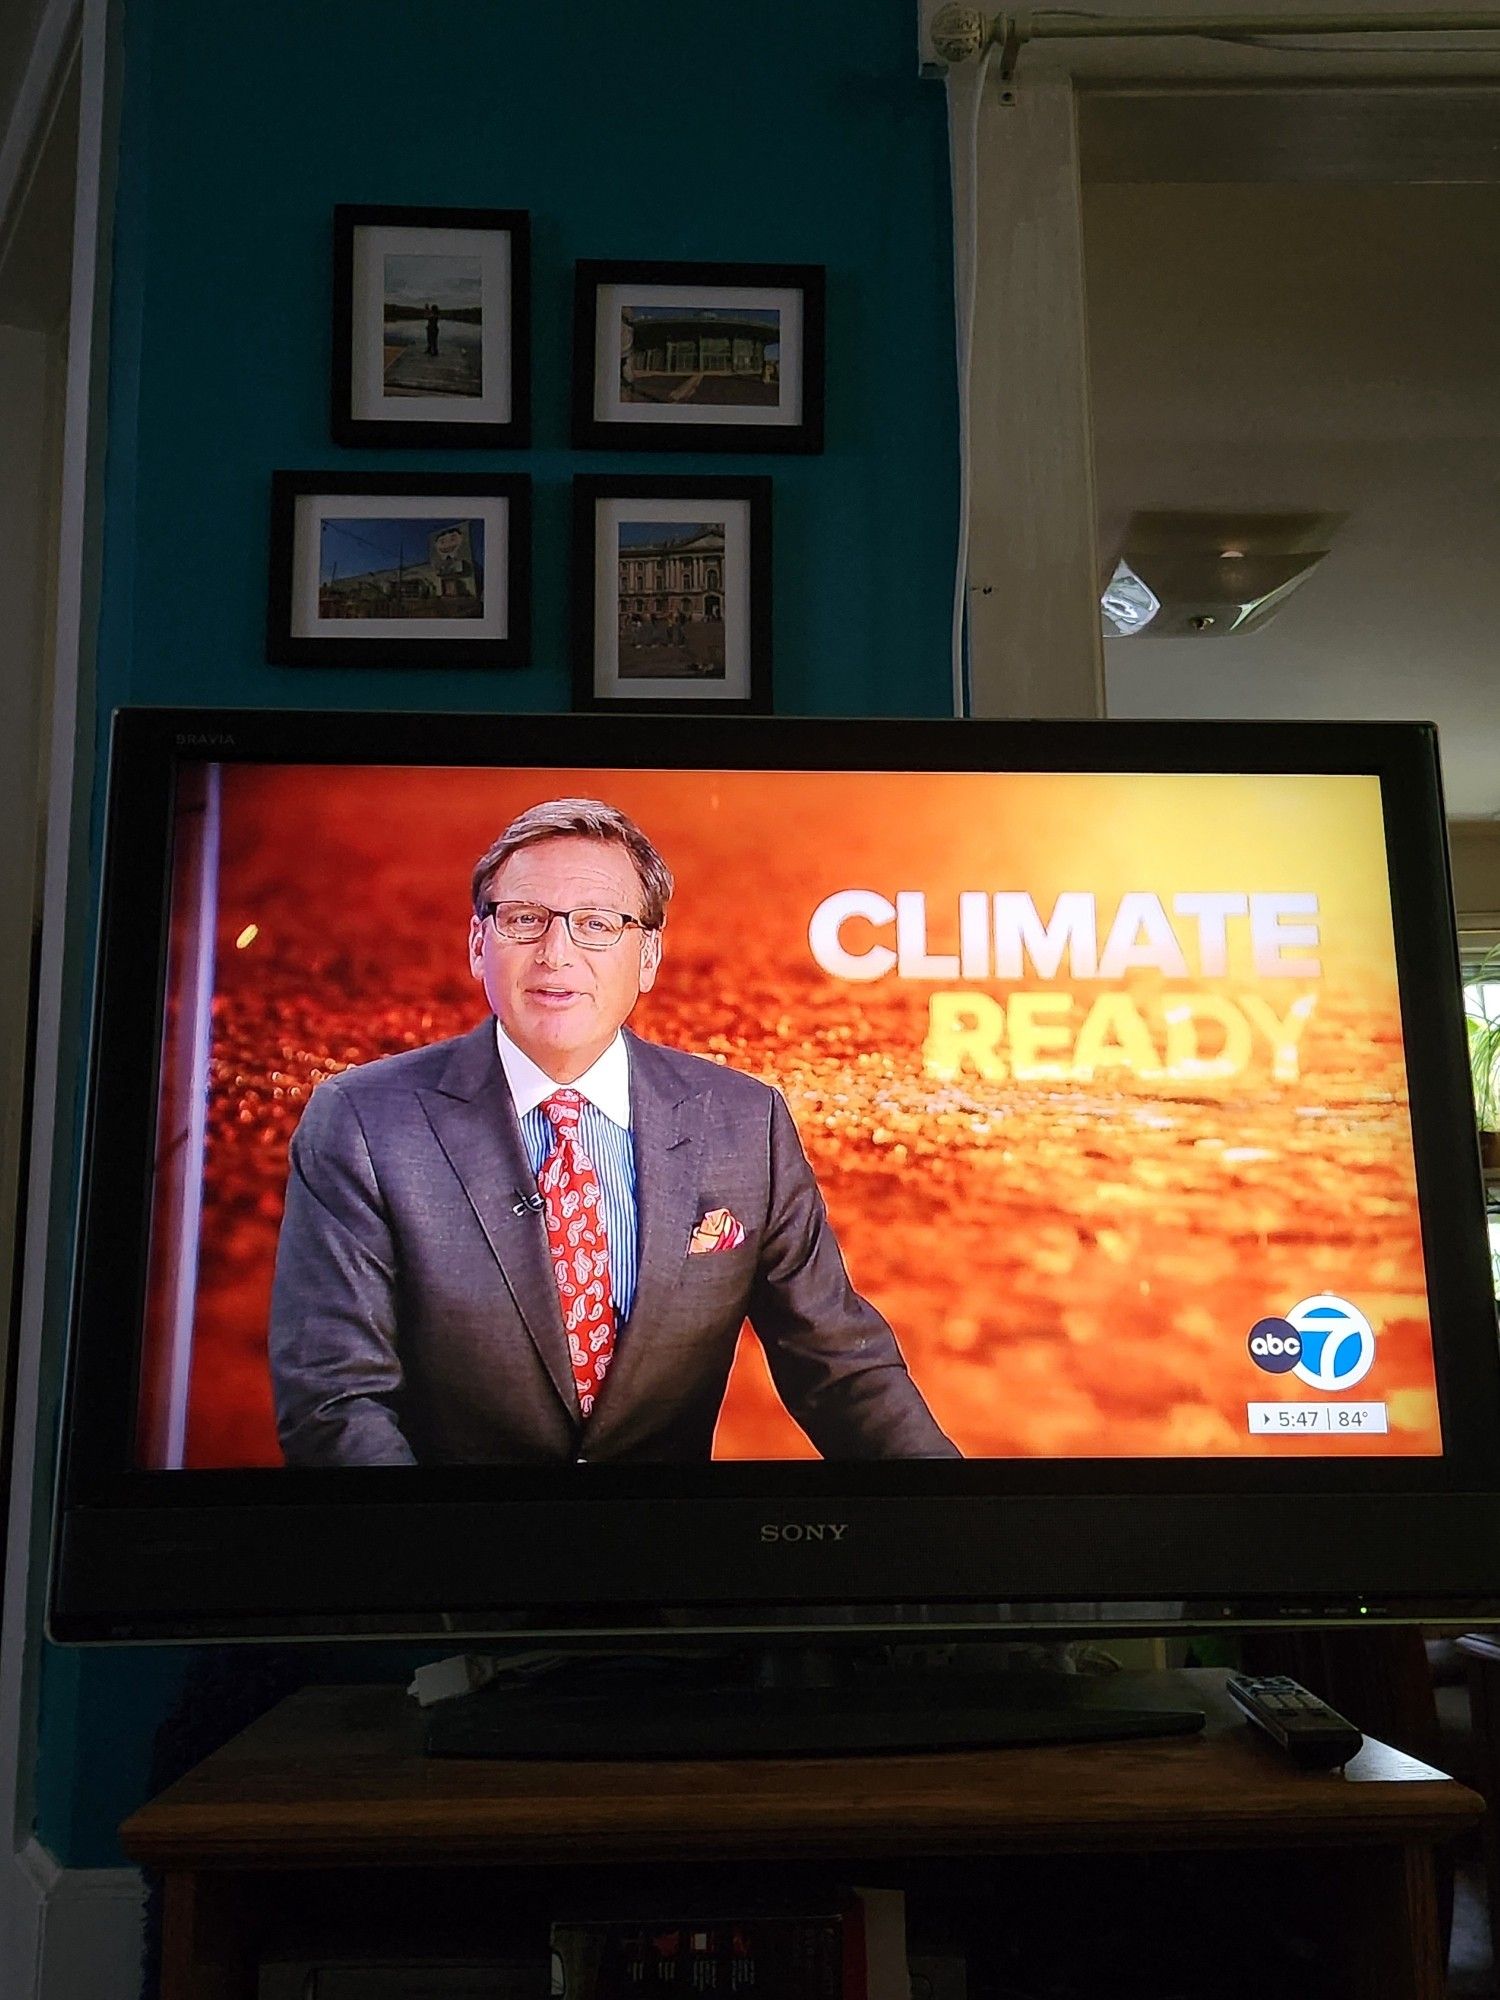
column 327, row 1804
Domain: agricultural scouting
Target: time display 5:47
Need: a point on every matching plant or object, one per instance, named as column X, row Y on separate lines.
column 1322, row 1419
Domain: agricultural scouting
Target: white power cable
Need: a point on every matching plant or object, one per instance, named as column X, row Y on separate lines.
column 964, row 174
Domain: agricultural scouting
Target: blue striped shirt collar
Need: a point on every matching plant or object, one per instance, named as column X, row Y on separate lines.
column 606, row 1083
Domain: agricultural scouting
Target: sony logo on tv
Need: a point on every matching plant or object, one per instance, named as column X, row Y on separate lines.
column 202, row 739
column 803, row 1531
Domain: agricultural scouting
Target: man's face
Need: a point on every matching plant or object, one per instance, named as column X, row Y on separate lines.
column 560, row 1003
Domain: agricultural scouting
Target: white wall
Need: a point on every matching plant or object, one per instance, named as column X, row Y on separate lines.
column 19, row 22
column 1475, row 848
column 1328, row 349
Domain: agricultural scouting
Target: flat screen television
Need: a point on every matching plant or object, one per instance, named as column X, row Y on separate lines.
column 1036, row 1187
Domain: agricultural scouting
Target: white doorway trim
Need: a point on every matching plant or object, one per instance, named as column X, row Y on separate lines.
column 1033, row 571
column 33, row 1891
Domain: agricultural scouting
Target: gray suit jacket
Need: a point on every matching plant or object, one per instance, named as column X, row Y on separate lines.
column 415, row 1318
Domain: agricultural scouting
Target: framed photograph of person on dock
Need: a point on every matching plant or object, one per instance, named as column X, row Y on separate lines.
column 698, row 357
column 431, row 327
column 672, row 594
column 379, row 570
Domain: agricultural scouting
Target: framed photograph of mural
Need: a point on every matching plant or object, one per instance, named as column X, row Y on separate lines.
column 672, row 594
column 376, row 570
column 698, row 357
column 431, row 327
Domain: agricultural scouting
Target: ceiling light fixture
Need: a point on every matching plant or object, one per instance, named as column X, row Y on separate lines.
column 1202, row 575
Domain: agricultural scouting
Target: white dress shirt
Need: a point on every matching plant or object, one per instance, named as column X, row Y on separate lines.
column 604, row 1133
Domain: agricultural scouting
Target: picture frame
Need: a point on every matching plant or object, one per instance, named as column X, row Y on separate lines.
column 390, row 570
column 431, row 327
column 698, row 357
column 672, row 593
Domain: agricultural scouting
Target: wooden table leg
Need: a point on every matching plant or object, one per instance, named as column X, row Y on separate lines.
column 1389, row 1922
column 1483, row 1672
column 207, row 1949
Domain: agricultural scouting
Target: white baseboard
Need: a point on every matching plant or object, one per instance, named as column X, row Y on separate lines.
column 71, row 1933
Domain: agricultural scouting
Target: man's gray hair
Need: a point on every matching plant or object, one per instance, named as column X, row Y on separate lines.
column 593, row 820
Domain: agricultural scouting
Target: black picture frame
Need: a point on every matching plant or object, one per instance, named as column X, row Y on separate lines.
column 601, row 421
column 362, row 414
column 740, row 509
column 499, row 637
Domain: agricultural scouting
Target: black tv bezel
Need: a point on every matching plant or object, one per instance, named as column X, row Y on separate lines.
column 190, row 1552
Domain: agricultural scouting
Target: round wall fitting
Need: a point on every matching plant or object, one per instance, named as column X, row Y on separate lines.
column 959, row 32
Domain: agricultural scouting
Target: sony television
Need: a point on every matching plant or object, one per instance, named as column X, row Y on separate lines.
column 1022, row 1177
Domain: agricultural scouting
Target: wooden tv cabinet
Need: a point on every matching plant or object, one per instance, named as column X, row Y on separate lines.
column 322, row 1832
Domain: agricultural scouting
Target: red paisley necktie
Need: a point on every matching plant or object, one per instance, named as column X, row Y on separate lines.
column 574, row 1208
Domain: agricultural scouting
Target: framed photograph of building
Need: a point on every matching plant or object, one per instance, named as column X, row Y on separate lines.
column 431, row 327
column 672, row 594
column 698, row 357
column 376, row 570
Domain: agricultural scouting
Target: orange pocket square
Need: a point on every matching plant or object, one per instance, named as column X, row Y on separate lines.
column 717, row 1231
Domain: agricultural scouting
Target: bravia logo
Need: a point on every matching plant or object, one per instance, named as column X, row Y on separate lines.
column 202, row 739
column 1324, row 1341
column 803, row 1531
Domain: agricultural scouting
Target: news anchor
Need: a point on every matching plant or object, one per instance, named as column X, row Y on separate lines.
column 538, row 1241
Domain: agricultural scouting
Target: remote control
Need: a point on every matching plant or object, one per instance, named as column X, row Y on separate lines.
column 1307, row 1729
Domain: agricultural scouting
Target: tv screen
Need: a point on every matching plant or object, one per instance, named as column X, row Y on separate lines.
column 545, row 1169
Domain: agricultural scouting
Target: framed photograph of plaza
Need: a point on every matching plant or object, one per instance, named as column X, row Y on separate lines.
column 698, row 357
column 431, row 327
column 378, row 570
column 672, row 594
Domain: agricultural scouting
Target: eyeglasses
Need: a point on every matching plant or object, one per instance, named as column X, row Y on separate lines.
column 529, row 923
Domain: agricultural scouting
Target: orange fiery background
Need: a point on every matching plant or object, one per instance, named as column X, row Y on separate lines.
column 1071, row 1268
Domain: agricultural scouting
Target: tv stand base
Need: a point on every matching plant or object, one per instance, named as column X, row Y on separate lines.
column 779, row 1712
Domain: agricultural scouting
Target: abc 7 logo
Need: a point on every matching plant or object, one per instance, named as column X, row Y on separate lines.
column 1275, row 1345
column 1324, row 1341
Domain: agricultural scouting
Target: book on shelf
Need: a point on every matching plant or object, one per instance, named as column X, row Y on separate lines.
column 850, row 1946
column 404, row 1979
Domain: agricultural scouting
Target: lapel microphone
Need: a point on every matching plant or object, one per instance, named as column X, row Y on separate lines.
column 524, row 1201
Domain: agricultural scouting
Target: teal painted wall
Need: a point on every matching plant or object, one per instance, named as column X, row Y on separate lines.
column 793, row 130
column 784, row 131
